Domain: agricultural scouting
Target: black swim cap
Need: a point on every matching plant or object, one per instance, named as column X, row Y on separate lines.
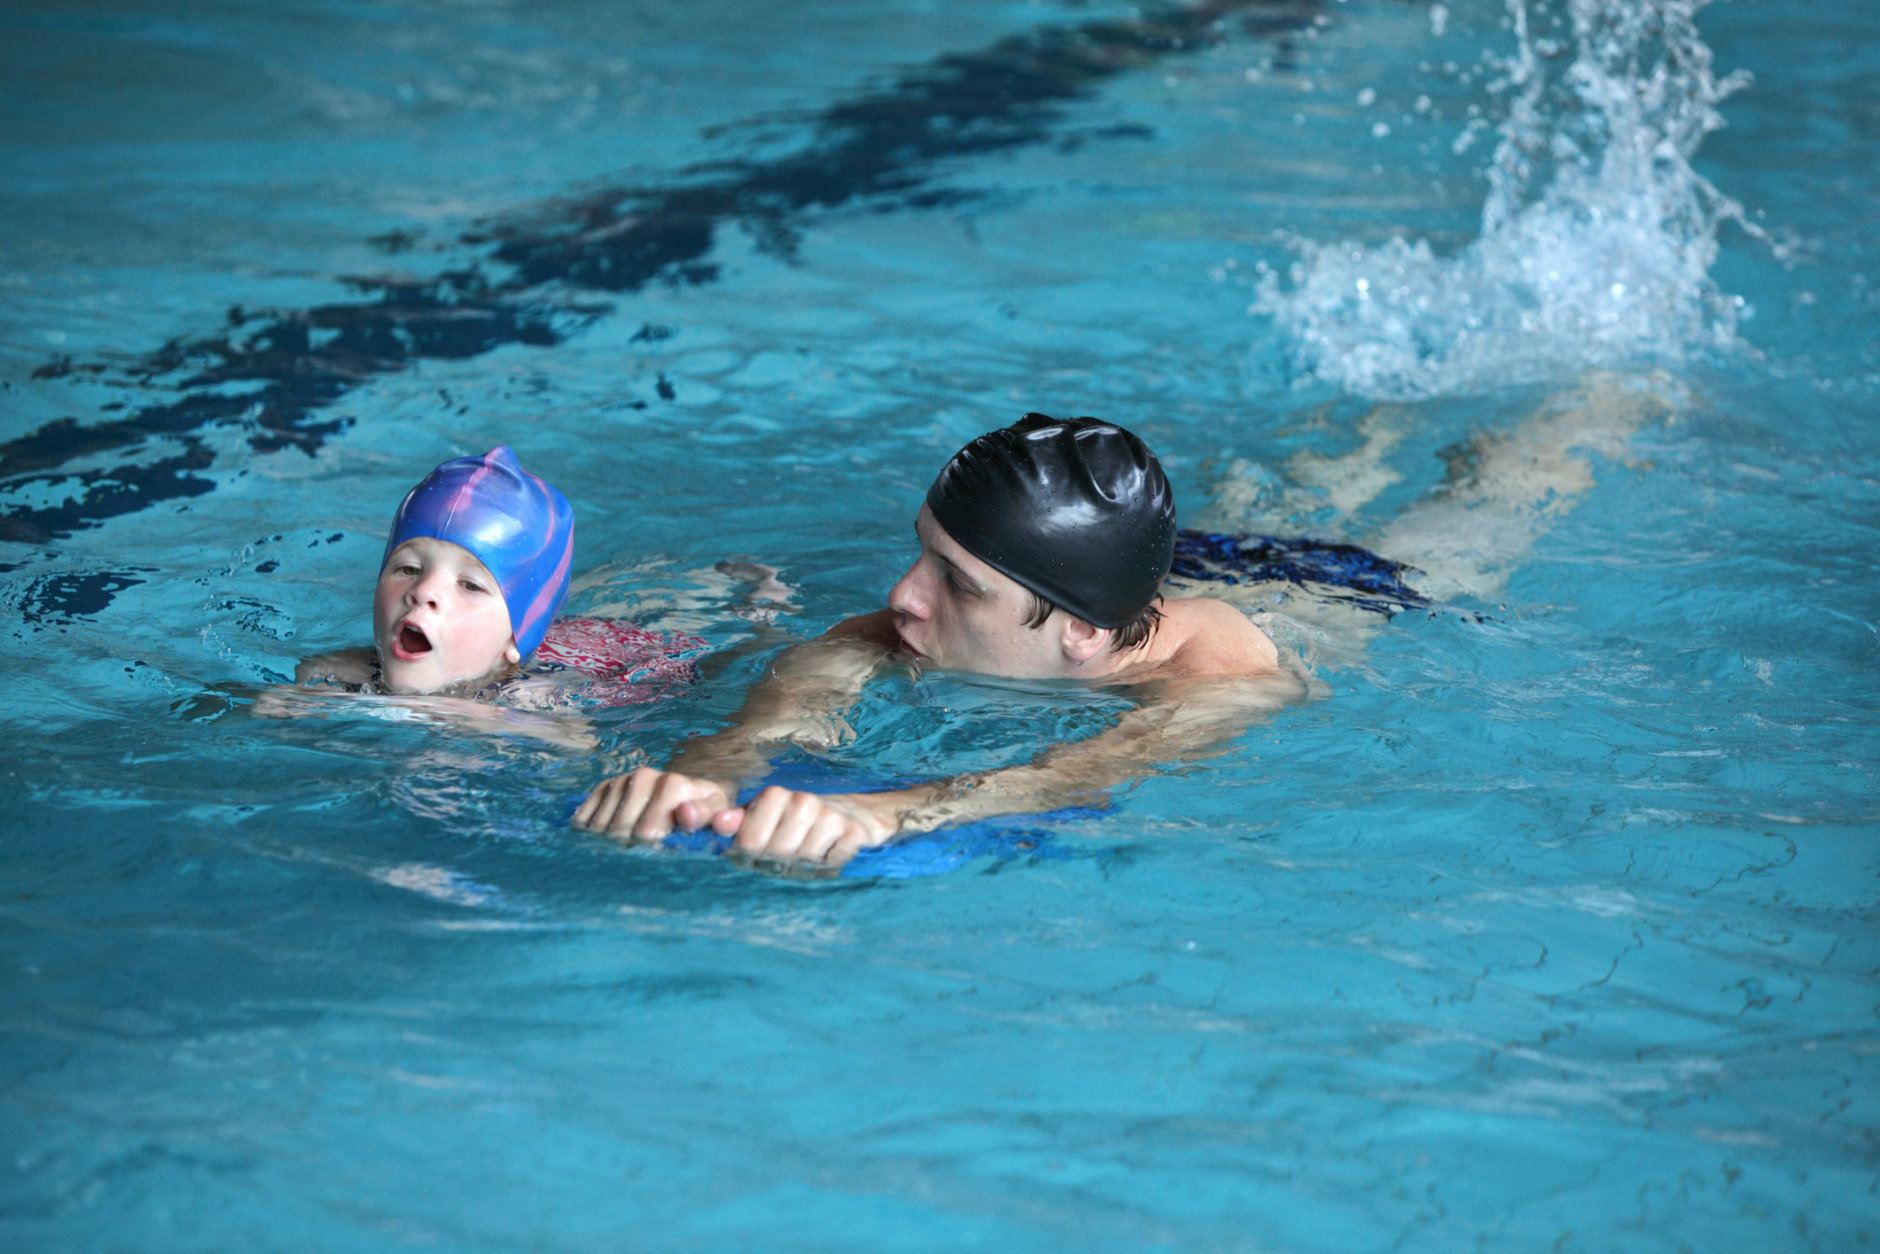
column 1077, row 510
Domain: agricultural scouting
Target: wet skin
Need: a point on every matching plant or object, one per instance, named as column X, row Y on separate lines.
column 439, row 619
column 1202, row 678
column 953, row 611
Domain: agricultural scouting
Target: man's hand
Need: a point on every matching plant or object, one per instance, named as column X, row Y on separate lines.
column 647, row 804
column 781, row 825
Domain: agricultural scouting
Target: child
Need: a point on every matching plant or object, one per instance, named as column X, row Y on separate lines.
column 474, row 571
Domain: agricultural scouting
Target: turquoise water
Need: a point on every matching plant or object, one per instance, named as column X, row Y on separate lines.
column 1552, row 925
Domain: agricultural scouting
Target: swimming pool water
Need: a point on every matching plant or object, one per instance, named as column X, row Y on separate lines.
column 1553, row 924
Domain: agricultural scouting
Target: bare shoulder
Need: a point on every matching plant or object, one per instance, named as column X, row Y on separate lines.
column 1207, row 637
column 874, row 628
column 845, row 655
column 866, row 636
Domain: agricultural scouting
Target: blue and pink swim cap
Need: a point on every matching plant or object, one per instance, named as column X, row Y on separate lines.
column 515, row 523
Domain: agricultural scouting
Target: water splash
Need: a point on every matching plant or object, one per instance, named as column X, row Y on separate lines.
column 1597, row 235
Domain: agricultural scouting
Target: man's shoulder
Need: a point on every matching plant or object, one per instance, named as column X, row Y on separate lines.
column 876, row 627
column 854, row 645
column 1211, row 637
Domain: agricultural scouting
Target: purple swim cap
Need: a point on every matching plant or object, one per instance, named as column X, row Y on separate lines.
column 515, row 523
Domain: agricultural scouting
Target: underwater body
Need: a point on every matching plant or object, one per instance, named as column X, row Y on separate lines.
column 1551, row 922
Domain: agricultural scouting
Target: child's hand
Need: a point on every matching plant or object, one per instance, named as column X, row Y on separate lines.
column 764, row 595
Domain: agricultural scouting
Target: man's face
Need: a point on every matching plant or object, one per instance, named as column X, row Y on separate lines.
column 438, row 618
column 954, row 611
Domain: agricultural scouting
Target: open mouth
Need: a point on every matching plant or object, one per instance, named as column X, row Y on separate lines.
column 410, row 643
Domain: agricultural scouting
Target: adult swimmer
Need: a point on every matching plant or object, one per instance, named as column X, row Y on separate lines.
column 1043, row 548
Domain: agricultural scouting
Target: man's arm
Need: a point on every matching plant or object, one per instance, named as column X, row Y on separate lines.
column 801, row 701
column 1178, row 721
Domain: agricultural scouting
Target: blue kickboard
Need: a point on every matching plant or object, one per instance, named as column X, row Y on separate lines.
column 931, row 853
column 944, row 849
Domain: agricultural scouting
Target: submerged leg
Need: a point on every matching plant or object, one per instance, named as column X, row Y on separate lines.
column 1502, row 491
column 1350, row 481
column 1505, row 488
column 1253, row 497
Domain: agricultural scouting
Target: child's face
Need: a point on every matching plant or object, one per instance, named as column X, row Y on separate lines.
column 439, row 618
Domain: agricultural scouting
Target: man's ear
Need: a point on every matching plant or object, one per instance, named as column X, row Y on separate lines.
column 1082, row 641
column 512, row 654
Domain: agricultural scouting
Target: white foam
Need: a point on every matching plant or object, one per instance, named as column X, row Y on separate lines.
column 1597, row 235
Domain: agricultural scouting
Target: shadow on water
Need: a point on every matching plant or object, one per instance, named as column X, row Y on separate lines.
column 275, row 373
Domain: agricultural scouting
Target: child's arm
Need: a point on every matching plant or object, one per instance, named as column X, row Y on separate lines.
column 565, row 731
